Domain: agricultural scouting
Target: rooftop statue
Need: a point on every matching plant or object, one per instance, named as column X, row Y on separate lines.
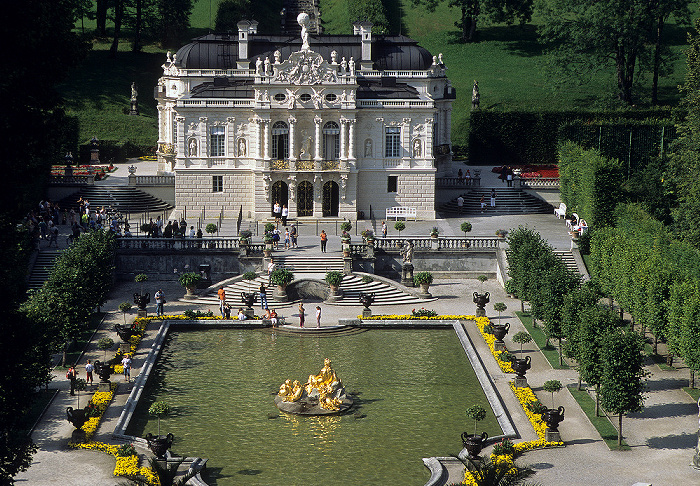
column 322, row 394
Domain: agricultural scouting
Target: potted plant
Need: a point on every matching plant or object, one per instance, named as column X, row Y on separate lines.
column 474, row 443
column 501, row 233
column 269, row 244
column 368, row 235
column 125, row 307
column 399, row 226
column 423, row 279
column 434, row 232
column 481, row 299
column 345, row 243
column 281, row 277
column 553, row 416
column 211, row 228
column 142, row 298
column 269, row 227
column 105, row 344
column 499, row 307
column 244, row 237
column 189, row 280
column 334, row 279
column 466, row 227
column 159, row 444
column 250, row 276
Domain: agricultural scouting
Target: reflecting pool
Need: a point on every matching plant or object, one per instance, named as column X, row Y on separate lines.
column 412, row 388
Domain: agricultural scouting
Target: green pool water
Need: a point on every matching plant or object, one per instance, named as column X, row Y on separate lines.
column 412, row 386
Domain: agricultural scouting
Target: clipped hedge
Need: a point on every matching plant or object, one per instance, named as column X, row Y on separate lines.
column 520, row 137
column 590, row 184
column 112, row 151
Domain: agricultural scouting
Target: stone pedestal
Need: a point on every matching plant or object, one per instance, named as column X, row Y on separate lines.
column 499, row 346
column 125, row 348
column 347, row 265
column 334, row 295
column 551, row 436
column 280, row 294
column 95, row 156
column 480, row 312
column 520, row 382
column 142, row 313
column 104, row 386
column 249, row 312
column 134, row 107
column 407, row 274
column 434, row 244
column 366, row 312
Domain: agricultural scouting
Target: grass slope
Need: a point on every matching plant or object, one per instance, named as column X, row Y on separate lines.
column 550, row 352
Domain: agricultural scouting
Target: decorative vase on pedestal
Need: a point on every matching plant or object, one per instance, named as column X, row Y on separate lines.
column 280, row 293
column 159, row 444
column 553, row 417
column 474, row 443
column 481, row 300
column 520, row 366
column 499, row 332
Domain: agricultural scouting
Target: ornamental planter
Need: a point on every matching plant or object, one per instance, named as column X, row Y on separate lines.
column 424, row 291
column 481, row 300
column 190, row 290
column 474, row 443
column 280, row 293
column 499, row 332
column 142, row 300
column 125, row 333
column 366, row 299
column 76, row 416
column 248, row 298
column 553, row 417
column 520, row 366
column 159, row 444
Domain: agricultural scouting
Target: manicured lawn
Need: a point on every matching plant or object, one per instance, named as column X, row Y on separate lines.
column 693, row 392
column 604, row 427
column 550, row 352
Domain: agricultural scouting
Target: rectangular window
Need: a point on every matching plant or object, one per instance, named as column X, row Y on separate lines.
column 393, row 142
column 217, row 141
column 217, row 184
column 392, row 184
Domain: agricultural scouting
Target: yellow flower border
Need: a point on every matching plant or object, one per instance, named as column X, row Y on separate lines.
column 481, row 323
column 411, row 317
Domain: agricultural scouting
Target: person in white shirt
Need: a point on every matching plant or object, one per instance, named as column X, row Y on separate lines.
column 270, row 268
column 318, row 316
column 193, row 233
column 241, row 315
column 460, row 204
column 285, row 215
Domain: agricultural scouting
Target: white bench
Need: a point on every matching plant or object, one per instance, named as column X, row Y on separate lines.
column 401, row 212
column 560, row 212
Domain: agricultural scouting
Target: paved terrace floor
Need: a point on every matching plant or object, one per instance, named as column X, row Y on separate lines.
column 662, row 437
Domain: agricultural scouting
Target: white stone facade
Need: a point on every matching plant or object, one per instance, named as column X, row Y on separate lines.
column 328, row 137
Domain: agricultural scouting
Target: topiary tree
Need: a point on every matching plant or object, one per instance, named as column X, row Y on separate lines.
column 399, row 226
column 499, row 307
column 552, row 386
column 105, row 344
column 80, row 385
column 477, row 413
column 141, row 278
column 346, row 226
column 482, row 279
column 281, row 277
column 125, row 307
column 159, row 409
column 269, row 227
column 466, row 227
column 521, row 337
column 211, row 228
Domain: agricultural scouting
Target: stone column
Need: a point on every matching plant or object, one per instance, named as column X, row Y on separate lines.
column 428, row 149
column 266, row 139
column 259, row 138
column 317, row 147
column 448, row 124
column 351, row 139
column 406, row 147
column 343, row 142
column 203, row 139
column 180, row 137
column 230, row 137
column 292, row 124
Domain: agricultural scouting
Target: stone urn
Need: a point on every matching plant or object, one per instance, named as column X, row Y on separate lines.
column 142, row 300
column 190, row 291
column 366, row 299
column 553, row 417
column 248, row 298
column 124, row 332
column 474, row 443
column 345, row 243
column 103, row 370
column 280, row 293
column 481, row 300
column 499, row 332
column 76, row 416
column 269, row 245
column 521, row 366
column 159, row 444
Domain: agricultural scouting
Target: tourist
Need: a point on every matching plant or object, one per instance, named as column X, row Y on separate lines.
column 273, row 318
column 276, row 237
column 222, row 299
column 227, row 312
column 126, row 363
column 318, row 316
column 468, row 175
column 277, row 211
column 460, row 204
column 160, row 300
column 193, row 233
column 294, row 236
column 324, row 240
column 301, row 314
column 493, row 198
column 460, row 175
column 384, row 229
column 263, row 296
column 241, row 314
column 72, row 375
column 483, row 203
column 89, row 368
column 168, row 231
column 285, row 215
column 53, row 234
column 287, row 238
column 510, row 177
column 270, row 268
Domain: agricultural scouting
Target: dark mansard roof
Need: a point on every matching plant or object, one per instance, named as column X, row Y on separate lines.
column 220, row 51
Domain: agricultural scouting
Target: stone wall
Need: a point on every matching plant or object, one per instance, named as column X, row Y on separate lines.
column 465, row 263
column 194, row 190
column 416, row 188
column 160, row 265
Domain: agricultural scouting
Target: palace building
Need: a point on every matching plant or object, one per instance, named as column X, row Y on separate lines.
column 328, row 125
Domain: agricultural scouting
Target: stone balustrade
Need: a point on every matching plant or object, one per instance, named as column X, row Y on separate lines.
column 81, row 180
column 175, row 244
column 540, row 183
column 456, row 182
column 151, row 180
column 440, row 243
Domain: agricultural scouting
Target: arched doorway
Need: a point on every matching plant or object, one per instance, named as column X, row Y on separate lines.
column 280, row 194
column 305, row 199
column 331, row 199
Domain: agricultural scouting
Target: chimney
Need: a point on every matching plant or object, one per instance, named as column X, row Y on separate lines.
column 245, row 28
column 364, row 30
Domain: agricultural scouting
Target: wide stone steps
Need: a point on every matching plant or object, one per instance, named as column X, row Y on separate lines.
column 508, row 201
column 42, row 268
column 351, row 286
column 124, row 199
column 568, row 258
column 308, row 264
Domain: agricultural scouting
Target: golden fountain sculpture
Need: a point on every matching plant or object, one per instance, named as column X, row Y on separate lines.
column 322, row 394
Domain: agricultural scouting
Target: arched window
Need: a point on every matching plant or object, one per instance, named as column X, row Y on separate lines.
column 280, row 140
column 331, row 141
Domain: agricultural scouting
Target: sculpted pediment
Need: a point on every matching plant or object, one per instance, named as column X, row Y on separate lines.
column 305, row 68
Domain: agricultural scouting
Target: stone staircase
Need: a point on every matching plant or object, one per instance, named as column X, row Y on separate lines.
column 125, row 199
column 568, row 258
column 318, row 265
column 42, row 267
column 509, row 200
column 384, row 293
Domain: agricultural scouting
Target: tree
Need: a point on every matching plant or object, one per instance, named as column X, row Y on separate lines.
column 399, row 226
column 552, row 386
column 125, row 307
column 466, row 227
column 499, row 307
column 493, row 10
column 581, row 37
column 118, row 18
column 174, row 16
column 684, row 324
column 372, row 11
column 521, row 337
column 622, row 380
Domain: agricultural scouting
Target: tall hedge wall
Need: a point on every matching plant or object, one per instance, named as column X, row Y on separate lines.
column 518, row 137
column 590, row 184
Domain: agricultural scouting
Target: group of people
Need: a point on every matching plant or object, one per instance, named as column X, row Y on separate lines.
column 72, row 374
column 281, row 213
column 482, row 202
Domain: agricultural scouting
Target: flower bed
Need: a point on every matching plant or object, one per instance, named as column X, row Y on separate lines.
column 410, row 317
column 481, row 323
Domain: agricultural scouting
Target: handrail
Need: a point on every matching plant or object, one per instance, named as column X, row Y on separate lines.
column 447, row 243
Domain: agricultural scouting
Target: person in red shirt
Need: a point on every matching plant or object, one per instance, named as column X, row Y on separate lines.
column 222, row 300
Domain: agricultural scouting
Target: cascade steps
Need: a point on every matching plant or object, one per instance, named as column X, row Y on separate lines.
column 568, row 258
column 42, row 268
column 509, row 200
column 124, row 199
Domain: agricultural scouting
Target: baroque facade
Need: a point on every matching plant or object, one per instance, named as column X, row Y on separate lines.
column 330, row 126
